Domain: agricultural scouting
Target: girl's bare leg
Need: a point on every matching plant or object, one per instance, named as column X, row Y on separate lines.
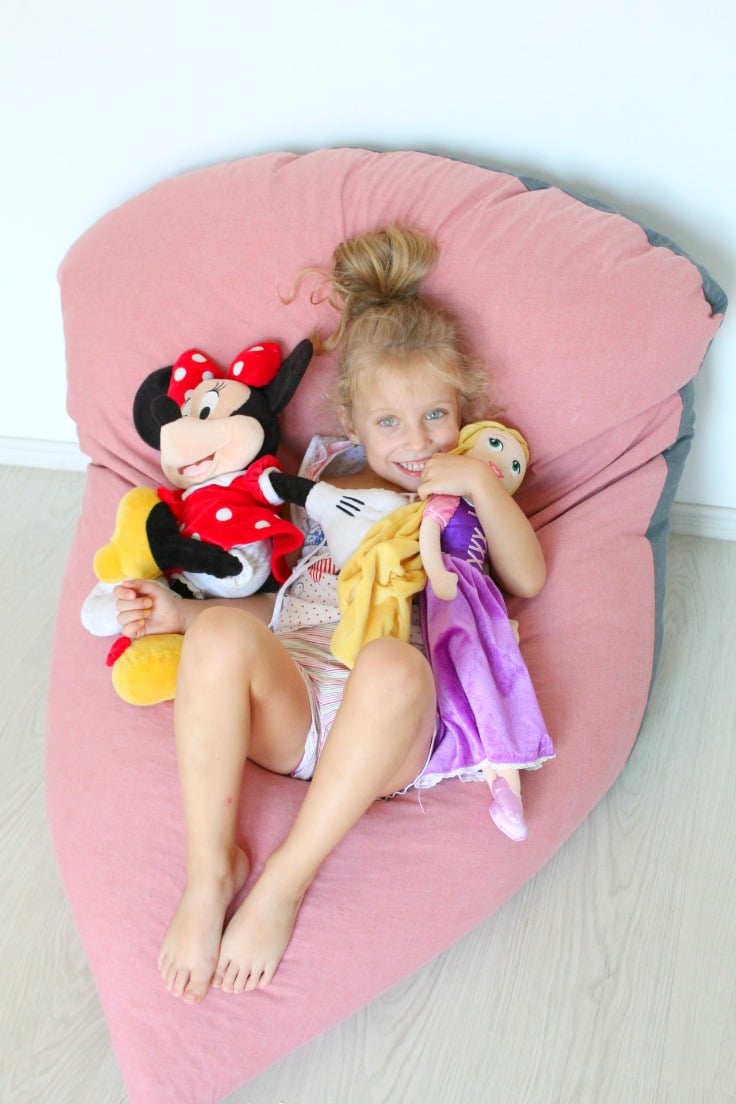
column 238, row 695
column 378, row 744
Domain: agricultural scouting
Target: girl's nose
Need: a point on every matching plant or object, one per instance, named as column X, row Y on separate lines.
column 418, row 436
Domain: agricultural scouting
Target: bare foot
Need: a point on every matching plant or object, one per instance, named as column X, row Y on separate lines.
column 257, row 936
column 190, row 949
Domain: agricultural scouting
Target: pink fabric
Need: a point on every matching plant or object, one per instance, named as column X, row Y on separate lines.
column 590, row 332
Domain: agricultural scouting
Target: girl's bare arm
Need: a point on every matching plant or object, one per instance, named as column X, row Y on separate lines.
column 146, row 608
column 514, row 551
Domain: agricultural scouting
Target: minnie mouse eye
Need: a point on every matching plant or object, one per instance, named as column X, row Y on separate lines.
column 209, row 401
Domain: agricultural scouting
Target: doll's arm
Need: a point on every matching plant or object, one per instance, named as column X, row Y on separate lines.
column 170, row 549
column 290, row 488
column 346, row 515
column 434, row 519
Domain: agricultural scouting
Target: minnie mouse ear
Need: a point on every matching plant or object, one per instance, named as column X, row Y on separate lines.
column 257, row 365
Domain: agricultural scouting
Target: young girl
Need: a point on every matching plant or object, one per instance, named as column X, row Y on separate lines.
column 278, row 697
column 437, row 548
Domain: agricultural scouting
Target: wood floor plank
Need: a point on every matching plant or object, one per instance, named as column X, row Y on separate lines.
column 701, row 1050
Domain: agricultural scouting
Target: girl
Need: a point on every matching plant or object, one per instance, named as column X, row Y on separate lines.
column 405, row 389
column 491, row 725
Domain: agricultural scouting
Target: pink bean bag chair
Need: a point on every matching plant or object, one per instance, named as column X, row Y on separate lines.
column 594, row 329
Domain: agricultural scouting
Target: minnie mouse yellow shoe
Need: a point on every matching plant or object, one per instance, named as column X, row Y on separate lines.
column 144, row 671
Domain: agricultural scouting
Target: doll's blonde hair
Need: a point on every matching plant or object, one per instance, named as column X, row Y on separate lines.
column 376, row 283
column 469, row 434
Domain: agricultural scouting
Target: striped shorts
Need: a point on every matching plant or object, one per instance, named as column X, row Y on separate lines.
column 325, row 681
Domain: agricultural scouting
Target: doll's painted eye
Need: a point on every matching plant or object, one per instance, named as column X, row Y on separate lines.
column 209, row 401
column 495, row 443
column 516, row 467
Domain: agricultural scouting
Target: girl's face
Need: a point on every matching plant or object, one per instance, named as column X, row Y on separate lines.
column 402, row 416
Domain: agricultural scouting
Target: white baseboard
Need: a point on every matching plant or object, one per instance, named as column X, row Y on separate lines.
column 692, row 519
column 687, row 518
column 22, row 452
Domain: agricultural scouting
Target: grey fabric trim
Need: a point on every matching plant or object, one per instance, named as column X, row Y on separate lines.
column 659, row 527
column 713, row 292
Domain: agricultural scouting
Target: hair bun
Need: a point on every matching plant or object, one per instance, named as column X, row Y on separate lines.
column 380, row 267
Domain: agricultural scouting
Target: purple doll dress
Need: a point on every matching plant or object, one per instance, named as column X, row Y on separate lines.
column 489, row 714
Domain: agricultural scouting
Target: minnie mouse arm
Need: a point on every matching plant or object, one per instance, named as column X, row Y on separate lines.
column 289, row 488
column 171, row 550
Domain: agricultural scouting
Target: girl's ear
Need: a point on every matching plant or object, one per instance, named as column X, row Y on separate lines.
column 347, row 424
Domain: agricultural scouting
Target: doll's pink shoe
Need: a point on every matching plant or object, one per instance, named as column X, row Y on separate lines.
column 506, row 811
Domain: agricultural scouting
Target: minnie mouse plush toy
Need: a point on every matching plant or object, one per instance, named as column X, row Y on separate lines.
column 216, row 531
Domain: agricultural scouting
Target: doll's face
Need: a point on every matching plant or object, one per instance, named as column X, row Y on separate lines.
column 504, row 454
column 211, row 439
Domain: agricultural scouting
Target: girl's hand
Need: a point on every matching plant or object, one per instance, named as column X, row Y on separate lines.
column 466, row 476
column 513, row 549
column 146, row 608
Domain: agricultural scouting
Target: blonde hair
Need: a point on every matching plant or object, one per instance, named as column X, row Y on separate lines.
column 376, row 284
column 469, row 434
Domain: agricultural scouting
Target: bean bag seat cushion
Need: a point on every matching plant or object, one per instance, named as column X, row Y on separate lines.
column 593, row 328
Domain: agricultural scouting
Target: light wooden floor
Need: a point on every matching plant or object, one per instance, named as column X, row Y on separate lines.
column 609, row 979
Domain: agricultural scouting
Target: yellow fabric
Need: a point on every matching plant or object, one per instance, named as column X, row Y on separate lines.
column 145, row 673
column 128, row 555
column 376, row 585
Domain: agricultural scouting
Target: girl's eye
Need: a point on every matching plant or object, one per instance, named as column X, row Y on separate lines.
column 208, row 404
column 516, row 467
column 387, row 421
column 496, row 444
column 435, row 415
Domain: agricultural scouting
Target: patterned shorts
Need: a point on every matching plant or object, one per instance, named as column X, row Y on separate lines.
column 325, row 681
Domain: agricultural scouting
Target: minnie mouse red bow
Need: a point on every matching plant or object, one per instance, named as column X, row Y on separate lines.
column 256, row 366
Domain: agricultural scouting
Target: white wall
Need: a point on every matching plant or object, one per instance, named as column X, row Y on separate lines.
column 631, row 101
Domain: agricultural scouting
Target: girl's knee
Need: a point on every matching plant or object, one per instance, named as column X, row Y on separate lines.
column 219, row 637
column 393, row 671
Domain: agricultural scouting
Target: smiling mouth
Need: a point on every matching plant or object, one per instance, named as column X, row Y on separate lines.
column 187, row 471
column 411, row 467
